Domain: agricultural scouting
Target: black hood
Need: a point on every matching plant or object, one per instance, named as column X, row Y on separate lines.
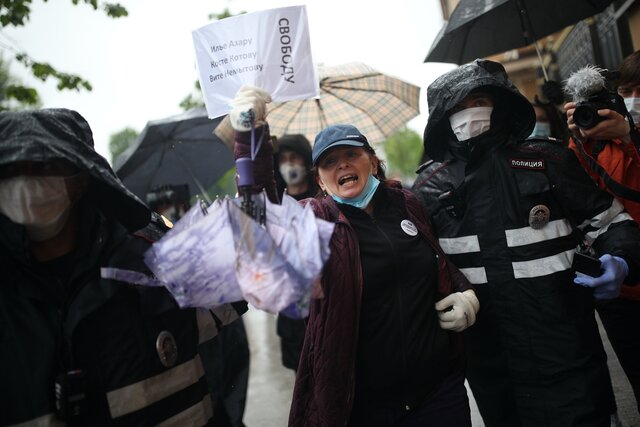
column 451, row 88
column 296, row 143
column 57, row 133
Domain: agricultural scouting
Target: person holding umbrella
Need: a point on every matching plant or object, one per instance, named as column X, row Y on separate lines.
column 381, row 346
column 614, row 146
column 510, row 213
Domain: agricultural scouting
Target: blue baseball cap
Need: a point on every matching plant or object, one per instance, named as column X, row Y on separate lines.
column 336, row 135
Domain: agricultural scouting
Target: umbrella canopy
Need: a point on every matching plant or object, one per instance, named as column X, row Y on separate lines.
column 177, row 150
column 377, row 104
column 219, row 255
column 479, row 28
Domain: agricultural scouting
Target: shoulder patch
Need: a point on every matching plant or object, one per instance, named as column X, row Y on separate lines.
column 532, row 164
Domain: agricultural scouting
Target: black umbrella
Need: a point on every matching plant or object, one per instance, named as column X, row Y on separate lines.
column 479, row 28
column 177, row 150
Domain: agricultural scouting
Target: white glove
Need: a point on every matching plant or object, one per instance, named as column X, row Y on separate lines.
column 250, row 103
column 458, row 311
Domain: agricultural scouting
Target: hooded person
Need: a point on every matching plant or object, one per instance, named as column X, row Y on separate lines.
column 510, row 211
column 293, row 175
column 79, row 342
column 293, row 166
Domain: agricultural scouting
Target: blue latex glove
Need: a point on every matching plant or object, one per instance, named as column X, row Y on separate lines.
column 607, row 285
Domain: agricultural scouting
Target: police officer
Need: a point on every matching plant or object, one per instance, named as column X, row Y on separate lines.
column 510, row 213
column 79, row 341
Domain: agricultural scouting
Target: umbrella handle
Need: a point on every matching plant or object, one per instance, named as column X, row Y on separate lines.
column 244, row 167
column 529, row 35
column 254, row 149
column 247, row 205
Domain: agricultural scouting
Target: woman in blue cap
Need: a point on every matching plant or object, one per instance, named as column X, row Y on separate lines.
column 381, row 347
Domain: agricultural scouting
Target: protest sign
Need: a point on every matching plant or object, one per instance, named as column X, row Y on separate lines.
column 268, row 49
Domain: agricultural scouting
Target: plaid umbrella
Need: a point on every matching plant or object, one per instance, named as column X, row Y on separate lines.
column 356, row 94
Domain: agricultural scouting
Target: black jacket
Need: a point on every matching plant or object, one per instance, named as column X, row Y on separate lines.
column 534, row 356
column 136, row 350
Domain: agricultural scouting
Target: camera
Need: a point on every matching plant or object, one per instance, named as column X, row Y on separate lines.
column 586, row 115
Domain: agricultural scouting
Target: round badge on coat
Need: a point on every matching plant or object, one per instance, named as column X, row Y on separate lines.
column 409, row 227
column 539, row 216
column 167, row 349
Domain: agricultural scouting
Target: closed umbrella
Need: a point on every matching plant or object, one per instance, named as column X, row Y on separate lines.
column 479, row 28
column 219, row 255
column 377, row 104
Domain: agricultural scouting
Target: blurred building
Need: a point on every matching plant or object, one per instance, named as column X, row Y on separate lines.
column 602, row 40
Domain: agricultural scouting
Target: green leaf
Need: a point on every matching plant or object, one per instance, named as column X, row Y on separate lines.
column 22, row 94
column 120, row 141
column 16, row 13
column 115, row 10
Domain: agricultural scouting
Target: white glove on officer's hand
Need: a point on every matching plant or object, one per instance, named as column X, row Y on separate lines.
column 250, row 103
column 607, row 285
column 458, row 311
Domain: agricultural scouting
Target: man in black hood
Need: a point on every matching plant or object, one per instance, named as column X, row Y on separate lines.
column 510, row 213
column 79, row 342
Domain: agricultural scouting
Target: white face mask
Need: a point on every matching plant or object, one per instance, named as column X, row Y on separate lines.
column 633, row 105
column 40, row 203
column 470, row 122
column 292, row 174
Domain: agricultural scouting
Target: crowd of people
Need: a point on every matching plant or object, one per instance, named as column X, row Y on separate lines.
column 477, row 272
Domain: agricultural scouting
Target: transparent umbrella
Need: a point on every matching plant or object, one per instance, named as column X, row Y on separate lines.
column 221, row 255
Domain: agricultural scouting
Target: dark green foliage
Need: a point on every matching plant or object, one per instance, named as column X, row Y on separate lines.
column 15, row 13
column 120, row 141
column 13, row 95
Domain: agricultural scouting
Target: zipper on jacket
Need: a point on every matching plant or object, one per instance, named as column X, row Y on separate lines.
column 398, row 294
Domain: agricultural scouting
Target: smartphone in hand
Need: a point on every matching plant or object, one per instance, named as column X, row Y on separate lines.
column 586, row 264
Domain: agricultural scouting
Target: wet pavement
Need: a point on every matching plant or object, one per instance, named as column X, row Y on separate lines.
column 271, row 384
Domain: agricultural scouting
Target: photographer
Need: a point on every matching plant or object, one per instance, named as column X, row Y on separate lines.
column 610, row 145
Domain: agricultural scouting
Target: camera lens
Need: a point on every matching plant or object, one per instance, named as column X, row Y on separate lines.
column 586, row 116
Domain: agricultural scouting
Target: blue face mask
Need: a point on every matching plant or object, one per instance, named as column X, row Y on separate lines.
column 541, row 130
column 362, row 200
